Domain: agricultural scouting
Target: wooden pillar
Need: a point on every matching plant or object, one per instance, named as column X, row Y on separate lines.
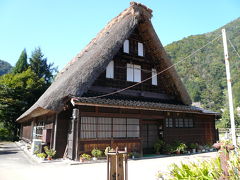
column 32, row 129
column 76, row 134
column 52, row 133
column 55, row 131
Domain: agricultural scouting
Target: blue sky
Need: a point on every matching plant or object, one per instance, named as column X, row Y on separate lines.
column 63, row 27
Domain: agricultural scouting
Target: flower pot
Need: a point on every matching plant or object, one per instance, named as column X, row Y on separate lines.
column 81, row 160
column 49, row 158
column 193, row 151
column 177, row 152
column 94, row 158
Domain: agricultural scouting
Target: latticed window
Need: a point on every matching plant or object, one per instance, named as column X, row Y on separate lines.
column 179, row 122
column 169, row 122
column 101, row 127
column 186, row 123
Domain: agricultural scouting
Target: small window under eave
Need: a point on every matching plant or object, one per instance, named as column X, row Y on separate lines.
column 110, row 70
column 140, row 49
column 154, row 77
column 126, row 46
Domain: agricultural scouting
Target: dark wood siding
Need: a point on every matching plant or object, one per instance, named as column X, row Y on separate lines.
column 165, row 87
column 26, row 131
column 62, row 131
column 152, row 126
column 202, row 132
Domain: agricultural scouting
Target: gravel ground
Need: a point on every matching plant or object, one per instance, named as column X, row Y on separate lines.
column 16, row 164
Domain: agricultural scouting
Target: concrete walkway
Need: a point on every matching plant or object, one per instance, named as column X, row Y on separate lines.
column 14, row 164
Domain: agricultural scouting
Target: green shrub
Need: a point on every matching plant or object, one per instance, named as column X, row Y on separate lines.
column 49, row 152
column 96, row 152
column 202, row 170
column 41, row 155
column 158, row 145
column 168, row 148
column 5, row 135
column 181, row 147
column 193, row 146
column 85, row 156
column 234, row 165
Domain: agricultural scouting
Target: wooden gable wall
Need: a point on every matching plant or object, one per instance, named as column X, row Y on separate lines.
column 165, row 90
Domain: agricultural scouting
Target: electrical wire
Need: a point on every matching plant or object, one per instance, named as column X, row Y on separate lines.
column 124, row 89
column 234, row 48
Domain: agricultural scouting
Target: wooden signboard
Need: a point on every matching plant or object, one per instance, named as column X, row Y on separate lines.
column 117, row 165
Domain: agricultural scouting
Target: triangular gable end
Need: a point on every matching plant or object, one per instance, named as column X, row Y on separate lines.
column 79, row 75
column 164, row 91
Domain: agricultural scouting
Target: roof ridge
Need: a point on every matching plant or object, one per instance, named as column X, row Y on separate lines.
column 136, row 9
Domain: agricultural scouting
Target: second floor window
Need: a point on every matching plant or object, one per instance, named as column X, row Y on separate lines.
column 126, row 46
column 140, row 49
column 154, row 77
column 110, row 70
column 133, row 73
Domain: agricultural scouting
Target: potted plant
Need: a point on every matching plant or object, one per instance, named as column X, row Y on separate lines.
column 42, row 156
column 193, row 147
column 84, row 157
column 180, row 148
column 167, row 148
column 96, row 153
column 158, row 146
column 50, row 152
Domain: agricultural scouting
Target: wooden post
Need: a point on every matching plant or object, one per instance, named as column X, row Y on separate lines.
column 126, row 165
column 55, row 132
column 224, row 150
column 115, row 165
column 76, row 128
column 230, row 98
column 108, row 166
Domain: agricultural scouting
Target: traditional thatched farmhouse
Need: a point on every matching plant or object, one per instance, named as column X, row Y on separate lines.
column 99, row 99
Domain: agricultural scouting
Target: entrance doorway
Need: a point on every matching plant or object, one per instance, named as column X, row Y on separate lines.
column 151, row 131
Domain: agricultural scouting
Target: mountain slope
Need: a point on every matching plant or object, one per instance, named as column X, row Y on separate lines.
column 204, row 73
column 4, row 67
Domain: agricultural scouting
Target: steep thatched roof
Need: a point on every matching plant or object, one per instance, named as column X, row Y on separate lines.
column 77, row 77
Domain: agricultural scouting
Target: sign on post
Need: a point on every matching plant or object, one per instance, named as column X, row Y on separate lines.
column 117, row 165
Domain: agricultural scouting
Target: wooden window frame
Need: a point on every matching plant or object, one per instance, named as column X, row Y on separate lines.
column 154, row 77
column 126, row 46
column 126, row 129
column 110, row 70
column 140, row 49
column 136, row 71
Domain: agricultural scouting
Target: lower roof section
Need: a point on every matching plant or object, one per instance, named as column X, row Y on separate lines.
column 133, row 104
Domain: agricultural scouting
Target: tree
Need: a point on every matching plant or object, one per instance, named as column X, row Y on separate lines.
column 40, row 66
column 17, row 93
column 21, row 64
column 225, row 120
column 5, row 67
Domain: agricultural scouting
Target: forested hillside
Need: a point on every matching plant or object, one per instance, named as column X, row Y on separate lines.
column 4, row 67
column 204, row 73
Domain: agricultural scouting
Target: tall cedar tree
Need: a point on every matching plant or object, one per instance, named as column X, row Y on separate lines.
column 21, row 64
column 39, row 65
column 17, row 93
